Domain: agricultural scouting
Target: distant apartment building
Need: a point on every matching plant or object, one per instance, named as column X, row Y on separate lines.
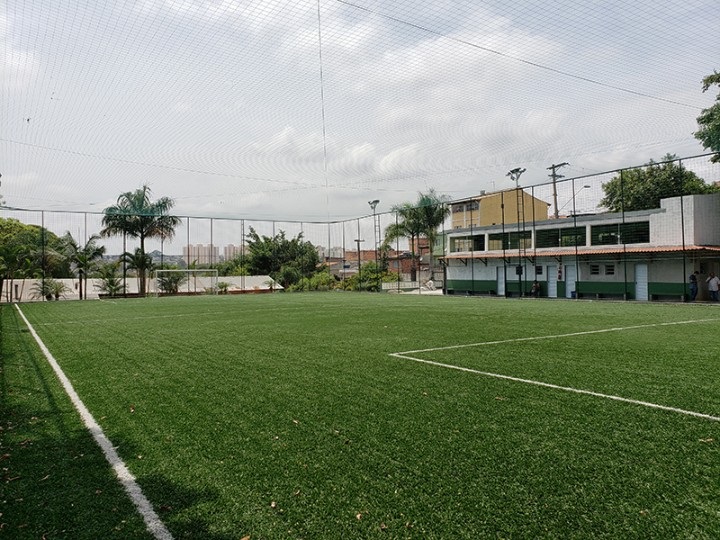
column 201, row 254
column 231, row 251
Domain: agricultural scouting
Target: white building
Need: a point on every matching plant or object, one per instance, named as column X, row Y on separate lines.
column 642, row 255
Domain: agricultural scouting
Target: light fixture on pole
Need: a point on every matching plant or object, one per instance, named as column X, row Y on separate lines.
column 373, row 205
column 514, row 175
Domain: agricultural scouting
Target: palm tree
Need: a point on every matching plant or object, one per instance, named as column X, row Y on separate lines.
column 137, row 216
column 407, row 225
column 142, row 264
column 110, row 283
column 84, row 259
column 433, row 210
column 414, row 221
column 49, row 288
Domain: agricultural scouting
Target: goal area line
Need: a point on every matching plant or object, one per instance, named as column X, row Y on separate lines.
column 409, row 355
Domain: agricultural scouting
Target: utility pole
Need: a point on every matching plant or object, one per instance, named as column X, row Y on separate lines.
column 555, row 176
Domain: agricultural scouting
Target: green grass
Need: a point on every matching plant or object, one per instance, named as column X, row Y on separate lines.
column 283, row 416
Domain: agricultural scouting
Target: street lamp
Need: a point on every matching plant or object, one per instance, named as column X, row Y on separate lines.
column 514, row 175
column 373, row 205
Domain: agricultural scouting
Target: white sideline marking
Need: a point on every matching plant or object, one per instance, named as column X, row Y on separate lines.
column 405, row 355
column 152, row 521
column 556, row 336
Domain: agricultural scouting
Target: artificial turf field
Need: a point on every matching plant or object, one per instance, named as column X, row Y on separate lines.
column 292, row 416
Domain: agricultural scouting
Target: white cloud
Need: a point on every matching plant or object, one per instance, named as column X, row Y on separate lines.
column 218, row 102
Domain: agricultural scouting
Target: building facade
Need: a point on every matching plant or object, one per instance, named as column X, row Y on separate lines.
column 641, row 255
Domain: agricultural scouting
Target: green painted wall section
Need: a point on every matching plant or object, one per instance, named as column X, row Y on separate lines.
column 478, row 286
column 667, row 289
column 591, row 288
column 587, row 289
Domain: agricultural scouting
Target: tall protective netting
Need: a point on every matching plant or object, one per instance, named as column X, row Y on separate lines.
column 581, row 237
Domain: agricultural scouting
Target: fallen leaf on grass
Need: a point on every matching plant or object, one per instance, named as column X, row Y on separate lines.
column 708, row 440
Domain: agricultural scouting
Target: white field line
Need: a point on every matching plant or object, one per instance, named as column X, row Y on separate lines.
column 170, row 316
column 406, row 355
column 556, row 336
column 152, row 521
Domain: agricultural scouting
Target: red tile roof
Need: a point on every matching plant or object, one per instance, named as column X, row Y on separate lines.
column 581, row 250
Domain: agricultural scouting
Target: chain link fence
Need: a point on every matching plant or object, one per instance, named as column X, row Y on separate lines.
column 512, row 241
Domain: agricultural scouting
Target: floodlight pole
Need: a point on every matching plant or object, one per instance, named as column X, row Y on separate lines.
column 358, row 241
column 575, row 235
column 373, row 205
column 514, row 175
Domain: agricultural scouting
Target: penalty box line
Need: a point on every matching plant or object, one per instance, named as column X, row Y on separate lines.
column 152, row 521
column 555, row 336
column 406, row 356
column 563, row 388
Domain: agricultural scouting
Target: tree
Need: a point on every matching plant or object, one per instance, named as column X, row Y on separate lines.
column 137, row 216
column 171, row 283
column 142, row 263
column 232, row 267
column 285, row 260
column 709, row 120
column 49, row 288
column 641, row 189
column 27, row 251
column 110, row 282
column 433, row 210
column 418, row 220
column 83, row 259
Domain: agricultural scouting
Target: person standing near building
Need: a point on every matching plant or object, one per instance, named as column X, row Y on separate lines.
column 713, row 286
column 693, row 285
column 535, row 290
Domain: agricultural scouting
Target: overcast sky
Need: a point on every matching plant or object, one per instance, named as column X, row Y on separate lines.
column 306, row 110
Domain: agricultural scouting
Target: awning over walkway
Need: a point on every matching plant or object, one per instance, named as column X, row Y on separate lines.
column 584, row 250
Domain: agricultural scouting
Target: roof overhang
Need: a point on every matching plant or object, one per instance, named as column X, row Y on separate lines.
column 571, row 252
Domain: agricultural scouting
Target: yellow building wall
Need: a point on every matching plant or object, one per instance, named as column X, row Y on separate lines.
column 491, row 212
